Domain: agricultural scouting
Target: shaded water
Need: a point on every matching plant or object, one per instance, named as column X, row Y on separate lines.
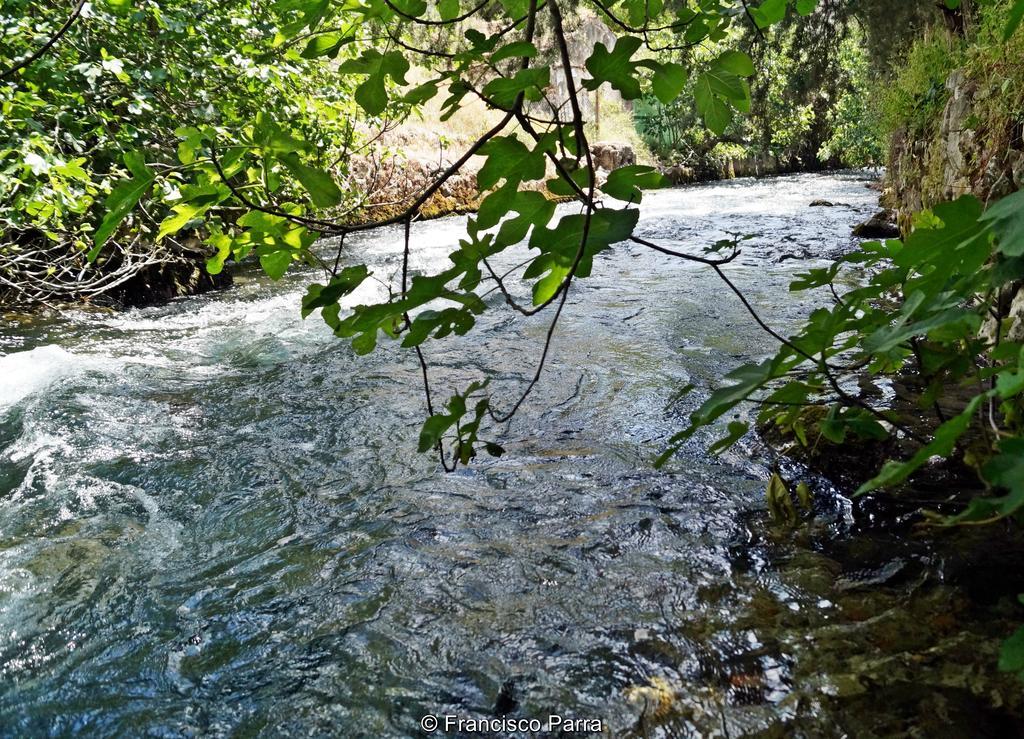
column 213, row 520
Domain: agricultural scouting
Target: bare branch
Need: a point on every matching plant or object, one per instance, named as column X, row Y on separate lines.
column 77, row 11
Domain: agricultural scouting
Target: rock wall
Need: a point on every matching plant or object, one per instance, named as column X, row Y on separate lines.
column 969, row 151
column 582, row 41
column 393, row 183
column 972, row 150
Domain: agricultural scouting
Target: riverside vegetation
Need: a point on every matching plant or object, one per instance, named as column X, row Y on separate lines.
column 230, row 131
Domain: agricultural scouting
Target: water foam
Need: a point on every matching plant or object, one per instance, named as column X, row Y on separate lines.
column 29, row 372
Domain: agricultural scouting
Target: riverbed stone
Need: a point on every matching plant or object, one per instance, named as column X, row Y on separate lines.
column 882, row 225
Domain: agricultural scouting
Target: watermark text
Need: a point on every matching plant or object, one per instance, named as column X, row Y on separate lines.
column 450, row 723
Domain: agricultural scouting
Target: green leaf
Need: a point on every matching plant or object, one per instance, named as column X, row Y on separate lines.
column 433, row 429
column 1010, row 382
column 269, row 135
column 276, row 262
column 439, row 323
column 941, row 246
column 615, row 67
column 746, row 379
column 720, row 87
column 448, row 9
column 327, row 44
column 804, row 496
column 509, row 159
column 531, row 207
column 769, row 12
column 118, row 204
column 1011, row 655
column 322, row 189
column 312, row 12
column 737, row 63
column 737, row 430
column 372, row 95
column 560, row 185
column 261, row 222
column 889, row 337
column 780, row 503
column 515, row 8
column 559, row 247
column 529, row 83
column 182, row 215
column 727, row 85
column 517, row 49
column 717, row 115
column 862, row 423
column 815, row 277
column 136, row 164
column 421, row 93
column 321, row 296
column 668, row 81
column 806, row 7
column 627, row 183
column 1015, row 17
column 412, row 8
column 222, row 243
column 120, row 7
column 1006, row 219
column 1004, row 471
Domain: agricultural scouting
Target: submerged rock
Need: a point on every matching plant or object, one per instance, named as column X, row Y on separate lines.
column 822, row 204
column 882, row 225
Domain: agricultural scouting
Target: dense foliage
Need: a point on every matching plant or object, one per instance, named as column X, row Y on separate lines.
column 812, row 101
column 123, row 79
column 259, row 166
column 914, row 98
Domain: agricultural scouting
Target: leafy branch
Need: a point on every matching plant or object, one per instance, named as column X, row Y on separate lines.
column 510, row 71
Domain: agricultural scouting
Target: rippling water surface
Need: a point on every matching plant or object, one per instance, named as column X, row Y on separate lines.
column 213, row 520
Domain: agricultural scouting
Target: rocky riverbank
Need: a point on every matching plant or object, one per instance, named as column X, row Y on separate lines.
column 973, row 149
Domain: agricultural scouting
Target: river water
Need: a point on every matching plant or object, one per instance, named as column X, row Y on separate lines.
column 213, row 520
